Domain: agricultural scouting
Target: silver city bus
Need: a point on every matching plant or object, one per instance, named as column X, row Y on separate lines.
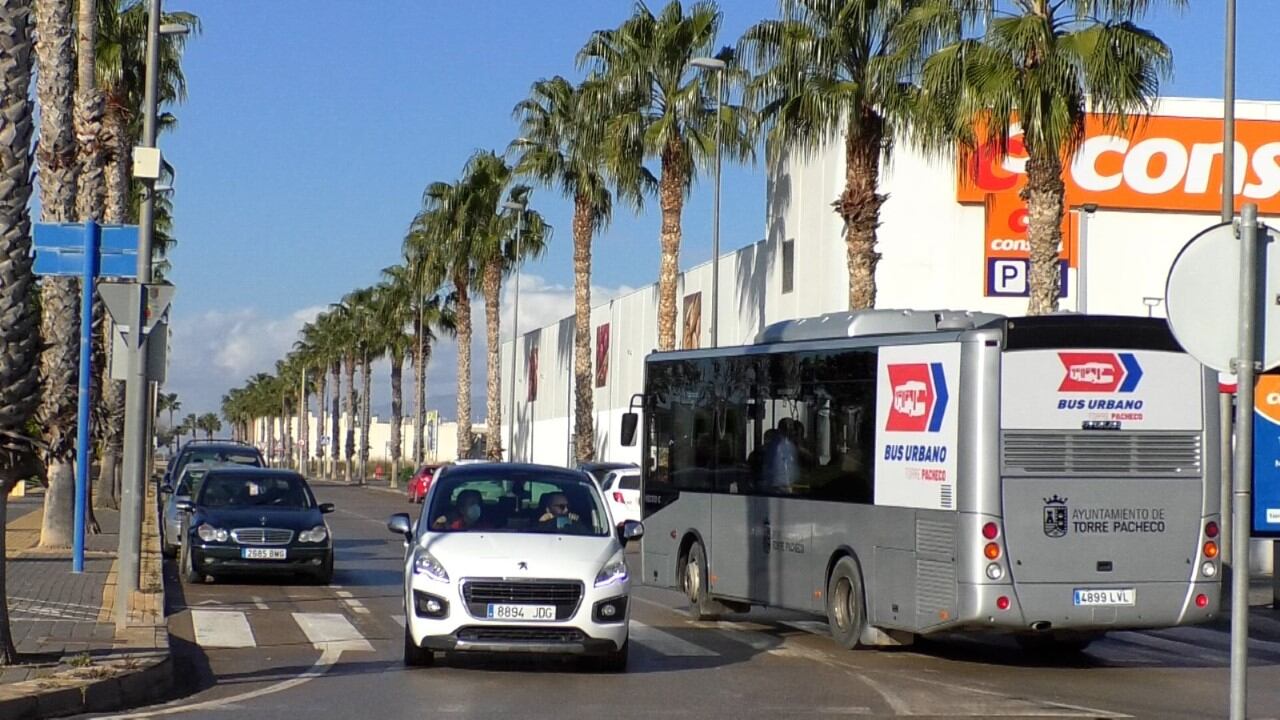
column 917, row 472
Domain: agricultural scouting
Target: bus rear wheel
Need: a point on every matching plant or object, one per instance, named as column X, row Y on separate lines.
column 701, row 606
column 846, row 610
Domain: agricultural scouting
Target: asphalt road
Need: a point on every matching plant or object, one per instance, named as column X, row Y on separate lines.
column 260, row 648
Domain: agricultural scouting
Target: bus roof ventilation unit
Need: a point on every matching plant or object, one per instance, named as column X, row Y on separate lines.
column 857, row 323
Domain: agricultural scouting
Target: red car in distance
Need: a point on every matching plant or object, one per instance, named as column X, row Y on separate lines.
column 420, row 483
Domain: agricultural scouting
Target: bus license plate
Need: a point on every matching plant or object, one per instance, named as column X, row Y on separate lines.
column 263, row 553
column 1104, row 597
column 530, row 613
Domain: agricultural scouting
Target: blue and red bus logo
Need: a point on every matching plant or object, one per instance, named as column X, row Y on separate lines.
column 919, row 397
column 1095, row 372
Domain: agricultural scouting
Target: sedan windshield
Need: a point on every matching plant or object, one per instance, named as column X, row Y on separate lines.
column 516, row 501
column 230, row 490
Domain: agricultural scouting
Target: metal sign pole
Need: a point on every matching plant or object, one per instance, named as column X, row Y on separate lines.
column 1246, row 358
column 92, row 243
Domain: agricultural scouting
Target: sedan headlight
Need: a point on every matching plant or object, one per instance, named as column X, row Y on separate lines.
column 317, row 534
column 615, row 571
column 425, row 564
column 209, row 533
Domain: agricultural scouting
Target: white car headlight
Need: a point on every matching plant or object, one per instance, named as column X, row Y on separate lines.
column 614, row 571
column 425, row 564
column 209, row 533
column 317, row 534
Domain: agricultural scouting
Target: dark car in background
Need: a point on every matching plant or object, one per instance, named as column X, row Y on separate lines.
column 255, row 520
column 600, row 470
column 211, row 452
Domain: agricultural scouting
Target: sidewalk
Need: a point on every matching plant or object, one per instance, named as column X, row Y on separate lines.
column 73, row 660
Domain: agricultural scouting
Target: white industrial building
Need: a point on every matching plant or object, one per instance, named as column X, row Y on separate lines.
column 1136, row 198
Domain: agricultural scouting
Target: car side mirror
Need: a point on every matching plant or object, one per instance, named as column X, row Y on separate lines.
column 326, row 508
column 185, row 506
column 400, row 525
column 629, row 422
column 166, row 489
column 630, row 530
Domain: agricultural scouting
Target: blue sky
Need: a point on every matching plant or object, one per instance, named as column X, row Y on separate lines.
column 313, row 126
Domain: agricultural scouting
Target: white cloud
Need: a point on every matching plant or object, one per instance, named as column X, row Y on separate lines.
column 216, row 351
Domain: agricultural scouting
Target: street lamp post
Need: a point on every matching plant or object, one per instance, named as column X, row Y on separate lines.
column 519, row 208
column 137, row 418
column 718, row 66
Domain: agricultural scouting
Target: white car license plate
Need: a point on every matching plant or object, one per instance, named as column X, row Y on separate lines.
column 532, row 613
column 263, row 553
column 1112, row 597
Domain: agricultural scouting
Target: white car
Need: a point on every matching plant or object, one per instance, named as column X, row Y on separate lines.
column 622, row 492
column 516, row 558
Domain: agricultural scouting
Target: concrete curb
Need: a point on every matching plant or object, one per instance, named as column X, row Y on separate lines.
column 116, row 683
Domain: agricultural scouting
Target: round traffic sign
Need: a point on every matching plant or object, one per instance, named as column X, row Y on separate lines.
column 1202, row 297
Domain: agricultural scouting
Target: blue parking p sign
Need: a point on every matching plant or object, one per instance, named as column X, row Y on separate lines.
column 1266, row 457
column 1008, row 277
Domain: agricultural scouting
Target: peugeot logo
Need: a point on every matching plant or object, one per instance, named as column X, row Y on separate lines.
column 522, row 565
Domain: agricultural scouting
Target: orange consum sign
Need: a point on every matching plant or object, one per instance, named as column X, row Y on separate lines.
column 1162, row 163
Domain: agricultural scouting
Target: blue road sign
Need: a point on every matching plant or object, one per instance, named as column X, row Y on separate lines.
column 87, row 251
column 59, row 250
column 1266, row 457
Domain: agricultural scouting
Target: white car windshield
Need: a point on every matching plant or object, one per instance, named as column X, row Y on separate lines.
column 516, row 501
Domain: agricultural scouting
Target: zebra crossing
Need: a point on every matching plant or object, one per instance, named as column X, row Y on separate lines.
column 237, row 629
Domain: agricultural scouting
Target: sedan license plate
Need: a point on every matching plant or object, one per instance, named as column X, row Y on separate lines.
column 263, row 553
column 1104, row 598
column 532, row 613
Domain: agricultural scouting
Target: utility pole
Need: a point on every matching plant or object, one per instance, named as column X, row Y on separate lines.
column 133, row 485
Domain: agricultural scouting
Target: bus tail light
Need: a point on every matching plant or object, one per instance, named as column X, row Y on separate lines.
column 1002, row 602
column 994, row 571
column 992, row 551
column 1211, row 529
column 1202, row 600
column 1208, row 569
column 991, row 531
column 1210, row 549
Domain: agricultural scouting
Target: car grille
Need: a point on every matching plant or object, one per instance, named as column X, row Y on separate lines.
column 262, row 536
column 520, row 634
column 565, row 595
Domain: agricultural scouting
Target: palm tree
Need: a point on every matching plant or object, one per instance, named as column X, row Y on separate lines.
column 91, row 188
column 393, row 314
column 190, row 424
column 835, row 70
column 439, row 246
column 169, row 402
column 662, row 108
column 59, row 296
column 209, row 424
column 19, row 391
column 489, row 179
column 346, row 328
column 1041, row 66
column 563, row 146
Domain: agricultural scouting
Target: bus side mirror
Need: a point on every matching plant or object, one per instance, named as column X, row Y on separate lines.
column 629, row 422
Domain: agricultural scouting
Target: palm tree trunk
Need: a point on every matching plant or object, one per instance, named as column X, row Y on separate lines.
column 419, row 378
column 349, row 370
column 1043, row 195
column 397, row 418
column 60, row 303
column 464, row 366
column 671, row 193
column 493, row 362
column 584, row 424
column 365, row 383
column 322, row 400
column 859, row 207
column 88, row 117
column 335, row 419
column 19, row 392
column 117, row 212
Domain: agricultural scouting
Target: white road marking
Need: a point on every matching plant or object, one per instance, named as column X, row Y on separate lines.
column 666, row 643
column 816, row 627
column 1180, row 650
column 343, row 594
column 328, row 658
column 258, row 603
column 222, row 628
column 398, row 619
column 738, row 633
column 331, row 630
